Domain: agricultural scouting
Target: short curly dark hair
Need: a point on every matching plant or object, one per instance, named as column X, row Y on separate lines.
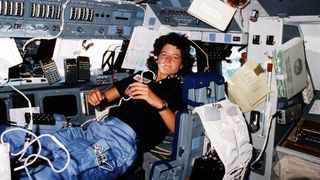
column 177, row 40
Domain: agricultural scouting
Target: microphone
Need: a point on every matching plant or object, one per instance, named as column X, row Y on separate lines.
column 145, row 77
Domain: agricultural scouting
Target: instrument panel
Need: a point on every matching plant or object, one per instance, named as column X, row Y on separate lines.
column 169, row 18
column 74, row 18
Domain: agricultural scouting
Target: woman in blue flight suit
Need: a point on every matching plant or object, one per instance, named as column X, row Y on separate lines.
column 106, row 149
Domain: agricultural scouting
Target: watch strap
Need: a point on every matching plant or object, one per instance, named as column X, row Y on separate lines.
column 164, row 106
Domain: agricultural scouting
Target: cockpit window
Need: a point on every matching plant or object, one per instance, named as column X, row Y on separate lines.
column 233, row 63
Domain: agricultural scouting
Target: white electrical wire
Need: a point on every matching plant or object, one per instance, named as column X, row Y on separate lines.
column 42, row 157
column 50, row 38
column 206, row 55
column 30, row 126
column 98, row 149
column 86, row 122
column 39, row 150
column 37, row 155
column 109, row 168
column 123, row 99
column 20, row 129
column 36, row 139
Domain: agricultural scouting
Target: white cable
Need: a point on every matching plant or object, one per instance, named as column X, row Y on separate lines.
column 37, row 155
column 206, row 55
column 154, row 77
column 40, row 148
column 16, row 129
column 46, row 159
column 123, row 99
column 98, row 150
column 23, row 151
column 109, row 168
column 30, row 125
column 36, row 139
column 29, row 132
column 89, row 120
column 50, row 38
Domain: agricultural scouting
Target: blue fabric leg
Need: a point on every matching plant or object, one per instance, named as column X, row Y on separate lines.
column 104, row 151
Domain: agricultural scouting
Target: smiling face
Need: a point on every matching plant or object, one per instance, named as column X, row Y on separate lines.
column 169, row 61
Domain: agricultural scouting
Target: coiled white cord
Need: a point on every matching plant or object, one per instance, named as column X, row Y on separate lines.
column 36, row 139
column 37, row 155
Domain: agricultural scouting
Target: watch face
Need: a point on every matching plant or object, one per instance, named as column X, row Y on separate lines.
column 165, row 104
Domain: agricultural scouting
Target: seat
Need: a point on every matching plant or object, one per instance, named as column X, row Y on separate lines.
column 189, row 141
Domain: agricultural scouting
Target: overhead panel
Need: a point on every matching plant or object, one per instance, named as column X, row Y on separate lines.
column 177, row 19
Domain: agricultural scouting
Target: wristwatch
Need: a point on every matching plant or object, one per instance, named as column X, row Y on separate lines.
column 164, row 106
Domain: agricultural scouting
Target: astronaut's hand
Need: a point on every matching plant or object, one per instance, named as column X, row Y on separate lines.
column 95, row 97
column 142, row 91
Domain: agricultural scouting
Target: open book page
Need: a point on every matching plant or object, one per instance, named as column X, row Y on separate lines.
column 246, row 88
column 141, row 44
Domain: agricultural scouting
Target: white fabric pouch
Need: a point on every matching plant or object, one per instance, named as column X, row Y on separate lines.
column 228, row 133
